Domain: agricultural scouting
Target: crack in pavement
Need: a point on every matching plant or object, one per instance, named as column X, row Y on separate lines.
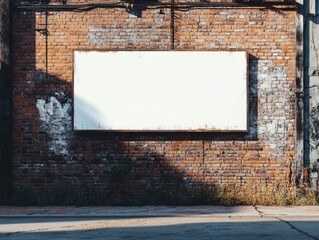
column 297, row 229
column 4, row 235
column 259, row 212
column 81, row 226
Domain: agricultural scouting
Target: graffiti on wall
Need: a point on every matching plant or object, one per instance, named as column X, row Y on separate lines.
column 56, row 122
column 314, row 119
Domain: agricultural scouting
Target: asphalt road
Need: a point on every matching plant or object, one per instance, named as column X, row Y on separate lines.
column 163, row 223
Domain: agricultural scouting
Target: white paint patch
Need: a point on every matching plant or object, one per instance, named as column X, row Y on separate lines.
column 132, row 32
column 56, row 121
column 35, row 168
column 160, row 90
column 273, row 118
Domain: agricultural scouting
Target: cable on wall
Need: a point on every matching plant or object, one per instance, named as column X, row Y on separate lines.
column 287, row 5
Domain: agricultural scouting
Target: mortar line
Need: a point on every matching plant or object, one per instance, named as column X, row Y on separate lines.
column 203, row 152
column 172, row 25
column 46, row 46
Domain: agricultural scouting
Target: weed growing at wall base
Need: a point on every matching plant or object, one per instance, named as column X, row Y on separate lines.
column 263, row 194
column 230, row 194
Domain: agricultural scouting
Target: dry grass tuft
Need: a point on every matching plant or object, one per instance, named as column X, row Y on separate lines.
column 263, row 194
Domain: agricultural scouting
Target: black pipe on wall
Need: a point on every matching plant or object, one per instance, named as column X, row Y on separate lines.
column 5, row 100
column 153, row 4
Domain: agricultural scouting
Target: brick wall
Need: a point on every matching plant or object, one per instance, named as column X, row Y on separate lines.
column 137, row 166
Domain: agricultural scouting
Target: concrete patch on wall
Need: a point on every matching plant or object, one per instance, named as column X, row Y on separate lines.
column 56, row 121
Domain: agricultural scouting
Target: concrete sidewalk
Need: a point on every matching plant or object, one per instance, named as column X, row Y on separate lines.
column 154, row 211
column 159, row 222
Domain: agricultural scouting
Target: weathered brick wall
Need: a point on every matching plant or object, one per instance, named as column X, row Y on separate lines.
column 137, row 166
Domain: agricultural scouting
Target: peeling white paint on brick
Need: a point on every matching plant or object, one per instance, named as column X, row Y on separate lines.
column 273, row 129
column 35, row 168
column 56, row 121
column 133, row 32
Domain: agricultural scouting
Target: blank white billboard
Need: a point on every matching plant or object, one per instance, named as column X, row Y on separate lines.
column 160, row 90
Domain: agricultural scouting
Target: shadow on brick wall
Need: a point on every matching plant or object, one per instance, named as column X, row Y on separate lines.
column 55, row 165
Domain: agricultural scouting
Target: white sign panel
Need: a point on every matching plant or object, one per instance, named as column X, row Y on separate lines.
column 160, row 90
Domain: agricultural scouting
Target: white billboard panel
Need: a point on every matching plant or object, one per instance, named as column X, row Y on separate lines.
column 160, row 90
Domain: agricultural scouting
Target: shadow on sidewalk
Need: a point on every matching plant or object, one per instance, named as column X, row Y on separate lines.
column 162, row 228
